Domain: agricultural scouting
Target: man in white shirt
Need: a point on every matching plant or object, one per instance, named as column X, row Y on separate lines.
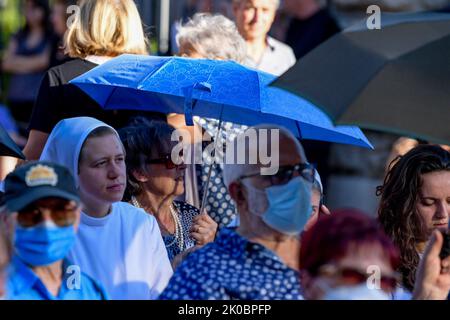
column 254, row 19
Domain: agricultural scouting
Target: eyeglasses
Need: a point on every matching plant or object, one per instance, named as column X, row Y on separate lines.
column 61, row 211
column 355, row 276
column 286, row 173
column 167, row 161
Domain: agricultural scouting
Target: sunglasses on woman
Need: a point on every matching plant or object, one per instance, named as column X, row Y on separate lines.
column 167, row 161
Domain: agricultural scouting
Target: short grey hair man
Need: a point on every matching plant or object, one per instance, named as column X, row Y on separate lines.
column 254, row 18
column 211, row 37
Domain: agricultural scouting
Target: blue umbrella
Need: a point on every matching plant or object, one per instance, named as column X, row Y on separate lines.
column 222, row 90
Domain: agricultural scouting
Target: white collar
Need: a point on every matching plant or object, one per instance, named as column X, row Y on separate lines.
column 98, row 59
column 96, row 222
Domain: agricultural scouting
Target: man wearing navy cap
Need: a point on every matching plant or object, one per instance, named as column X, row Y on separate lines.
column 43, row 211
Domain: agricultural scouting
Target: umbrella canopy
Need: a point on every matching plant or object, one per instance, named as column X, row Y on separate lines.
column 8, row 147
column 395, row 79
column 212, row 89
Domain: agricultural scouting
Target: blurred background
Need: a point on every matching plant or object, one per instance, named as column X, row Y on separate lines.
column 160, row 15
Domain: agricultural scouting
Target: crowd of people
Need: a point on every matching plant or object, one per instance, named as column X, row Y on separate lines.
column 101, row 209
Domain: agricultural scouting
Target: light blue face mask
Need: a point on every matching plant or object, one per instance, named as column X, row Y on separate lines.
column 287, row 206
column 357, row 292
column 43, row 244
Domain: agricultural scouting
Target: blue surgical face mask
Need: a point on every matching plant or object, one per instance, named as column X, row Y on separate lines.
column 285, row 208
column 357, row 292
column 43, row 244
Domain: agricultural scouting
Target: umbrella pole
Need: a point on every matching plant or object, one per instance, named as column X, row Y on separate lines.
column 205, row 191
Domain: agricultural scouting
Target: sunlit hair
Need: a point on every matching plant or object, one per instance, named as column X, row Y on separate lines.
column 400, row 192
column 106, row 28
column 213, row 37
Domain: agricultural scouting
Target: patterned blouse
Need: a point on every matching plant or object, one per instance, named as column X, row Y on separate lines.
column 219, row 204
column 186, row 213
column 231, row 267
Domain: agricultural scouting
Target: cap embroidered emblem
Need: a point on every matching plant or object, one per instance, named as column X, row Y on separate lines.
column 41, row 175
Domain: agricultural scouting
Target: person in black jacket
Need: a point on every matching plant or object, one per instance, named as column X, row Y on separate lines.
column 310, row 25
column 90, row 42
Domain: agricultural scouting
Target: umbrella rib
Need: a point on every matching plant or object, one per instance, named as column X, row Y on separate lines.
column 422, row 46
column 151, row 74
column 109, row 97
column 209, row 77
column 382, row 67
column 299, row 129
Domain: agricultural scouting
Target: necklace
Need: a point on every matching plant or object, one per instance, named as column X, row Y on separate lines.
column 135, row 203
column 179, row 232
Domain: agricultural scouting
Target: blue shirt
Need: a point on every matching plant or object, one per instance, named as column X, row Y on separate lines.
column 23, row 284
column 233, row 268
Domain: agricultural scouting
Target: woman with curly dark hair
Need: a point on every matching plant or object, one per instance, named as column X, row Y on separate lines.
column 415, row 200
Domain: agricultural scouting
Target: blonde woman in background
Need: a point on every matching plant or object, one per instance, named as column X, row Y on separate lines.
column 101, row 30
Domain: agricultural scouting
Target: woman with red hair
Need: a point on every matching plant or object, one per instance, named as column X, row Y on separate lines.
column 345, row 256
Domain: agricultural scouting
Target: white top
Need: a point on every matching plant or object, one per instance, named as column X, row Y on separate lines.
column 276, row 59
column 125, row 252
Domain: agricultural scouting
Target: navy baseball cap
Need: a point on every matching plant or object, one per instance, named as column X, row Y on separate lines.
column 37, row 180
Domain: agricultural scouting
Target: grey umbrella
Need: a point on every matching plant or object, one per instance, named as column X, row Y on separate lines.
column 396, row 79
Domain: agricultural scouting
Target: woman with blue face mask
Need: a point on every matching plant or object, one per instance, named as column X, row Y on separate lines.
column 43, row 210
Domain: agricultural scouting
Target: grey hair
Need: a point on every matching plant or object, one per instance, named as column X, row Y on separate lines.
column 214, row 37
column 232, row 172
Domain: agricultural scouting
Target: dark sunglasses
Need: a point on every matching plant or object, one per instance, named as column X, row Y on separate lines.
column 354, row 276
column 62, row 213
column 167, row 161
column 286, row 173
